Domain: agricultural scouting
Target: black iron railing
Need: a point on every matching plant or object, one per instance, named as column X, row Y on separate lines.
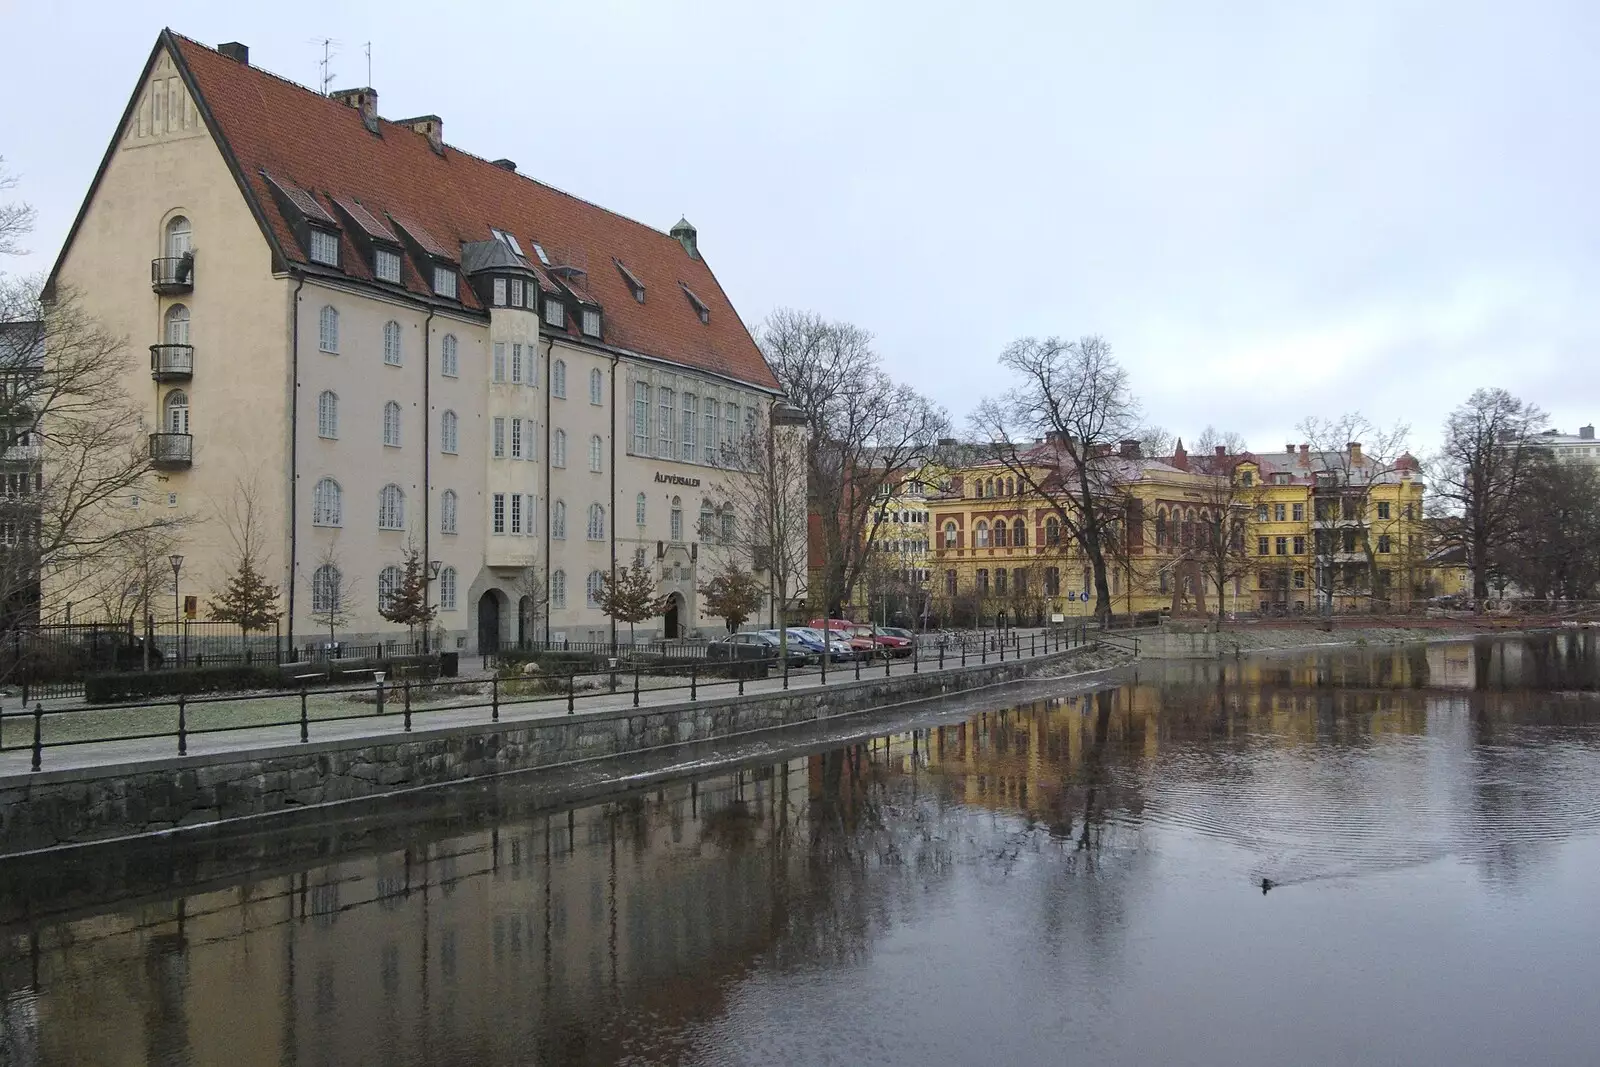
column 172, row 450
column 171, row 363
column 172, row 274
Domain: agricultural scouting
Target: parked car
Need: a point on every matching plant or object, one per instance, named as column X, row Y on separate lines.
column 839, row 650
column 799, row 655
column 114, row 650
column 860, row 639
column 754, row 645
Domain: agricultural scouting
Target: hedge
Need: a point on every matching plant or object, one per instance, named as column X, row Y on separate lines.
column 120, row 686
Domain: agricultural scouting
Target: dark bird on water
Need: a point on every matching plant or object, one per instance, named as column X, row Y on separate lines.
column 1266, row 884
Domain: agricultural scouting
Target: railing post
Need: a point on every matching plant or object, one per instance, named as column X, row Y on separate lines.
column 494, row 699
column 785, row 673
column 1032, row 647
column 636, row 683
column 741, row 682
column 916, row 657
column 1002, row 648
column 305, row 722
column 572, row 688
column 963, row 650
column 38, row 734
column 858, row 668
column 693, row 677
column 183, row 727
column 886, row 659
column 983, row 650
column 405, row 690
column 941, row 655
column 380, row 697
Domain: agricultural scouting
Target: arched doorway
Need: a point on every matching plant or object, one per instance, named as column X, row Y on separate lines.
column 488, row 623
column 524, row 621
column 673, row 625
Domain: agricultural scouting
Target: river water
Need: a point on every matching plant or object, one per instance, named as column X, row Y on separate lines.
column 1330, row 857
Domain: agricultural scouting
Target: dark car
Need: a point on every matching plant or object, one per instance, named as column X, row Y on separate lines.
column 115, row 650
column 749, row 646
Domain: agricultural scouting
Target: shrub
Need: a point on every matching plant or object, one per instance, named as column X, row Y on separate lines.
column 139, row 685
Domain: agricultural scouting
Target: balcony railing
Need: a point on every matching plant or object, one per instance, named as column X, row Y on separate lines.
column 173, row 274
column 171, row 363
column 172, row 451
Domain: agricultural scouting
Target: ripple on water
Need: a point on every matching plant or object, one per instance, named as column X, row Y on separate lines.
column 1314, row 812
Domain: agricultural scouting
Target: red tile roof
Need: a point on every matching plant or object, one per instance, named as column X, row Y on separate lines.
column 320, row 145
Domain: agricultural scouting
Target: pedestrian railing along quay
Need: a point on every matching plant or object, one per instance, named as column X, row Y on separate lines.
column 184, row 717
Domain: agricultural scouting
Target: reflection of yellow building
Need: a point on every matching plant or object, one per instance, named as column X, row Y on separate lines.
column 1334, row 530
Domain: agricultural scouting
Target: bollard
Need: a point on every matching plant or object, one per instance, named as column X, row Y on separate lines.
column 692, row 681
column 379, row 684
column 636, row 684
column 305, row 723
column 572, row 689
column 494, row 699
column 183, row 728
column 38, row 734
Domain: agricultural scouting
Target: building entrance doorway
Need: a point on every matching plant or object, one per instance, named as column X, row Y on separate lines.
column 673, row 617
column 489, row 623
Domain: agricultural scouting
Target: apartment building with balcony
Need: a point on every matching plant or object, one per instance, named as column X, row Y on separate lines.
column 392, row 344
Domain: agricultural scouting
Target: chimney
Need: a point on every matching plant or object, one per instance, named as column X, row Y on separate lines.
column 506, row 164
column 1102, row 451
column 1289, row 448
column 1305, row 455
column 430, row 126
column 1129, row 449
column 1180, row 458
column 1586, row 433
column 1355, row 453
column 686, row 236
column 1222, row 451
column 364, row 100
column 239, row 53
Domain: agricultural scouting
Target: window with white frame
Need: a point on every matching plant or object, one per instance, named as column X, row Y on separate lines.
column 558, row 449
column 447, row 589
column 707, row 529
column 591, row 322
column 499, row 372
column 389, row 581
column 597, row 523
column 558, row 588
column 596, row 586
column 675, row 523
column 447, row 511
column 499, row 292
column 177, row 325
column 391, row 424
column 641, row 418
column 713, row 413
column 449, row 361
column 727, row 524
column 449, row 432
column 498, row 434
column 691, row 424
column 444, row 282
column 554, row 314
column 391, row 508
column 730, row 426
column 497, row 516
column 391, row 343
column 516, row 292
column 558, row 379
column 328, row 414
column 327, row 503
column 328, row 329
column 324, row 247
column 666, row 423
column 558, row 521
column 596, row 453
column 516, row 513
column 516, row 363
column 325, row 590
column 386, row 265
column 180, row 237
column 516, row 438
column 596, row 387
column 639, row 509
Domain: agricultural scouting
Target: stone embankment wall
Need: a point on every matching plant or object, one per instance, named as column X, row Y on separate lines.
column 77, row 806
column 1173, row 643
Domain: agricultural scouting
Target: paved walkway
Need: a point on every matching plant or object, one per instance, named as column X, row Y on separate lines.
column 459, row 711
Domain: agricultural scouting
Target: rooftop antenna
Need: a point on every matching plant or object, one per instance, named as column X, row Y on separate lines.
column 323, row 66
column 369, row 64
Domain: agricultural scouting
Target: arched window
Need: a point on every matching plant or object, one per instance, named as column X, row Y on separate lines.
column 328, row 329
column 638, row 509
column 597, row 523
column 1161, row 528
column 558, row 379
column 177, row 411
column 558, row 589
column 328, row 414
column 980, row 535
column 391, row 343
column 999, row 533
column 596, row 388
column 447, row 511
column 675, row 526
column 558, row 521
column 327, row 504
column 391, row 424
column 449, row 360
column 558, row 449
column 1052, row 531
column 707, row 530
column 1019, row 534
column 389, row 580
column 177, row 325
column 180, row 237
column 596, row 453
column 391, row 508
column 726, row 514
column 950, row 534
column 449, row 432
column 595, row 584
column 447, row 589
column 988, row 487
column 325, row 590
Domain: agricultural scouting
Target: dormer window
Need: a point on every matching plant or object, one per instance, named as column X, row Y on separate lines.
column 591, row 322
column 635, row 286
column 324, row 247
column 554, row 314
column 444, row 281
column 700, row 308
column 386, row 265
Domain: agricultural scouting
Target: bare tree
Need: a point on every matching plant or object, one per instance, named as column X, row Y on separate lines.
column 1477, row 478
column 16, row 217
column 1351, row 456
column 865, row 435
column 1060, row 431
column 332, row 591
column 1219, row 547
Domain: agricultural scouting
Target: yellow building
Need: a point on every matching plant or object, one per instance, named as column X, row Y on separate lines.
column 893, row 588
column 1311, row 531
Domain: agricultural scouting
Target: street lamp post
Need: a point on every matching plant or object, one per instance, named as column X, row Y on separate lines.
column 177, row 565
column 434, row 566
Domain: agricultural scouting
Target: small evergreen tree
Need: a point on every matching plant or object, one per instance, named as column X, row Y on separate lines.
column 408, row 604
column 732, row 596
column 630, row 596
column 248, row 600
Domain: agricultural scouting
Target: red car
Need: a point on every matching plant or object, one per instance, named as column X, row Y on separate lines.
column 865, row 637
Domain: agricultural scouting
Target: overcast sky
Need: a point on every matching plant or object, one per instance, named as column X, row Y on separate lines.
column 1269, row 211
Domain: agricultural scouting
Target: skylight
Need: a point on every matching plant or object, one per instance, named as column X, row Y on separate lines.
column 509, row 240
column 538, row 250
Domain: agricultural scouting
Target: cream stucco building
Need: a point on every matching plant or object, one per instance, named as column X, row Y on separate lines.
column 386, row 342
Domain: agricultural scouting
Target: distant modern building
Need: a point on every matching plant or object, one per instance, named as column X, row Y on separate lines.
column 1580, row 447
column 400, row 346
